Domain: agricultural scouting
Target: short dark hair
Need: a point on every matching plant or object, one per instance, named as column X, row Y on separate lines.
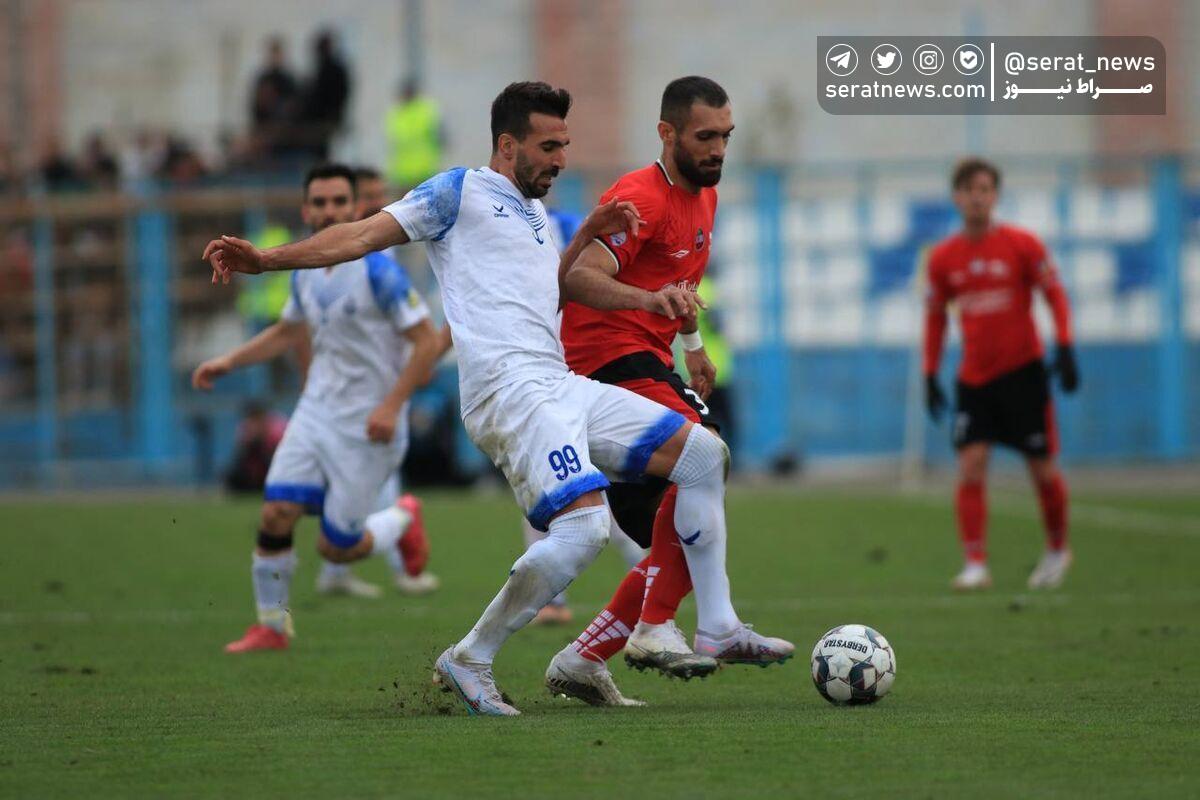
column 512, row 107
column 365, row 173
column 322, row 171
column 968, row 168
column 681, row 93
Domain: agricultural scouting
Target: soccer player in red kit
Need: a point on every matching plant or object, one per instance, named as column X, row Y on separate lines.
column 990, row 270
column 640, row 293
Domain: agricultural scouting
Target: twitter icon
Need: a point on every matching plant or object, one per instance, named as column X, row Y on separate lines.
column 886, row 59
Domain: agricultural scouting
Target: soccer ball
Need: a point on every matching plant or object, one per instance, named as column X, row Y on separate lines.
column 853, row 665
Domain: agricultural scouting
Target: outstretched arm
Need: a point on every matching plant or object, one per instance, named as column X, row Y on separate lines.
column 334, row 245
column 269, row 343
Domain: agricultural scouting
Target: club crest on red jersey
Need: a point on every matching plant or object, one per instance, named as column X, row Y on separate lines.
column 699, row 238
column 617, row 239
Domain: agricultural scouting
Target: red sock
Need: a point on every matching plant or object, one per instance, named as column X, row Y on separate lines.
column 1052, row 495
column 971, row 506
column 606, row 635
column 667, row 578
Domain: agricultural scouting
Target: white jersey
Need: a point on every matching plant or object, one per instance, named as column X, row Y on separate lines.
column 497, row 265
column 357, row 313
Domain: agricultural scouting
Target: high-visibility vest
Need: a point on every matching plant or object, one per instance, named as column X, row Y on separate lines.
column 261, row 298
column 715, row 346
column 714, row 342
column 414, row 146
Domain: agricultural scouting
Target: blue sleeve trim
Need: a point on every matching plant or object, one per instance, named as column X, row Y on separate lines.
column 311, row 497
column 651, row 439
column 390, row 284
column 338, row 537
column 563, row 496
column 440, row 198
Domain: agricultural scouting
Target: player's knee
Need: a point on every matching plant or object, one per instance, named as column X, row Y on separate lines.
column 588, row 526
column 342, row 545
column 972, row 464
column 279, row 518
column 335, row 554
column 705, row 457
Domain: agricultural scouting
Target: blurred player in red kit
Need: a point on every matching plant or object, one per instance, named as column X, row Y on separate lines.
column 628, row 296
column 990, row 270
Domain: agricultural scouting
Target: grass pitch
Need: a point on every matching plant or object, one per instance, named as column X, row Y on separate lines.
column 113, row 614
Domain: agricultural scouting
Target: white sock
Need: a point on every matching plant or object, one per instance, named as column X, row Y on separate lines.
column 386, row 528
column 700, row 522
column 331, row 571
column 272, row 578
column 533, row 536
column 545, row 569
column 394, row 560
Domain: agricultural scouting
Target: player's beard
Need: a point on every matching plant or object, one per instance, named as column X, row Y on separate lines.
column 692, row 172
column 527, row 176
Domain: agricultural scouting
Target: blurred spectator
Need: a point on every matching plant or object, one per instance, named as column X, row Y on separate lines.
column 181, row 163
column 56, row 170
column 370, row 190
column 16, row 264
column 10, row 180
column 261, row 301
column 258, row 435
column 89, row 350
column 98, row 166
column 142, row 156
column 415, row 137
column 326, row 95
column 273, row 101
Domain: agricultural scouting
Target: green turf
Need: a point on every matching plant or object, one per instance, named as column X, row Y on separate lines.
column 112, row 616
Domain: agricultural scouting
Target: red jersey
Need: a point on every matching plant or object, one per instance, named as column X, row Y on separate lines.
column 991, row 280
column 671, row 247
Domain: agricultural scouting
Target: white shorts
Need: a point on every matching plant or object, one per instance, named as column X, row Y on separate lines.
column 342, row 478
column 556, row 438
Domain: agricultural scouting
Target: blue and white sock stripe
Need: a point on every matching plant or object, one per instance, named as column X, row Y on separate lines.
column 553, row 502
column 310, row 496
column 651, row 439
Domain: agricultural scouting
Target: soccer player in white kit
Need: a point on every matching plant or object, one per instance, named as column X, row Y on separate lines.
column 372, row 346
column 553, row 433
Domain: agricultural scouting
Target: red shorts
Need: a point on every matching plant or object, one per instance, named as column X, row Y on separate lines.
column 645, row 374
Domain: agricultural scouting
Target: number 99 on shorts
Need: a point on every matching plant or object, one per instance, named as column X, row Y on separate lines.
column 564, row 462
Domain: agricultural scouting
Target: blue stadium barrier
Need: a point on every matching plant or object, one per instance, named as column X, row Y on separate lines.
column 837, row 390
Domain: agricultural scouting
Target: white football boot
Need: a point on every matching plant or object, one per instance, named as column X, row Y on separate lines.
column 473, row 684
column 416, row 585
column 974, row 576
column 347, row 583
column 662, row 647
column 743, row 646
column 572, row 675
column 1051, row 570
